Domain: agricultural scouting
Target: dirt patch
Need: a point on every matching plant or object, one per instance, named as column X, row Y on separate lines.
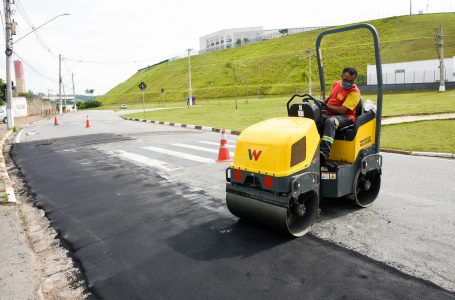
column 59, row 274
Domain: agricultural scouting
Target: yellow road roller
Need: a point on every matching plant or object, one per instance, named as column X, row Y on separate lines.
column 276, row 177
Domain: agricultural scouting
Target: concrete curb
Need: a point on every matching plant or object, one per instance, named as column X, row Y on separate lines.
column 418, row 153
column 190, row 126
column 234, row 132
column 4, row 173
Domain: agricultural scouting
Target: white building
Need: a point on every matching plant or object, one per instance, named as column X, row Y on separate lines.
column 229, row 38
column 421, row 71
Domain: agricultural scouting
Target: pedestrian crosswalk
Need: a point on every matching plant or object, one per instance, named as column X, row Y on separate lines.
column 172, row 156
column 199, row 148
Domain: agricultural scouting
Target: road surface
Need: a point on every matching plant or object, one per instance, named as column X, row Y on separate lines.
column 141, row 206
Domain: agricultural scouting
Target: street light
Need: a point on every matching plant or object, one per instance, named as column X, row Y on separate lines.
column 190, row 89
column 9, row 51
column 35, row 29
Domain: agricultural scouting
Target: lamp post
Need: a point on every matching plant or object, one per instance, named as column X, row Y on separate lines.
column 190, row 88
column 9, row 51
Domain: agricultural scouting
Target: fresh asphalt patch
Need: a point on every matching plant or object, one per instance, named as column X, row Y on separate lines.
column 137, row 235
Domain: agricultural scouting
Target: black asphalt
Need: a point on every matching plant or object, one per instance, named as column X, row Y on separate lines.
column 138, row 236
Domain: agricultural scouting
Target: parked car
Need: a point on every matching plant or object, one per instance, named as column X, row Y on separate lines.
column 123, row 106
column 3, row 117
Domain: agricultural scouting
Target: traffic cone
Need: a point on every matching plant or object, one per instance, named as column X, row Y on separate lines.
column 87, row 123
column 223, row 153
column 56, row 121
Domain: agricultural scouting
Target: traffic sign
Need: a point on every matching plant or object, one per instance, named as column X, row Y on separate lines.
column 142, row 86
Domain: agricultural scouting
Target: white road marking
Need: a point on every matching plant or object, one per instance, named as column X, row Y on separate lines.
column 199, row 148
column 17, row 140
column 180, row 154
column 215, row 144
column 154, row 163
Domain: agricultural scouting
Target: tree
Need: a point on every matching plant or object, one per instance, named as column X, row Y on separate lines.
column 283, row 31
column 245, row 41
column 2, row 92
column 238, row 42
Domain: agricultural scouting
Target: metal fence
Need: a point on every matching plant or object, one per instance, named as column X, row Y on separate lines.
column 426, row 76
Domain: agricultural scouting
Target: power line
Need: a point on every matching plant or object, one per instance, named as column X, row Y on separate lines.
column 34, row 68
column 28, row 20
column 102, row 61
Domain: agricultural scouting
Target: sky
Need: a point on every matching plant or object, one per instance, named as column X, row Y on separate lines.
column 104, row 42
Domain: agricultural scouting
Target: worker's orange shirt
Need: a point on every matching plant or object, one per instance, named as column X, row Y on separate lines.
column 347, row 98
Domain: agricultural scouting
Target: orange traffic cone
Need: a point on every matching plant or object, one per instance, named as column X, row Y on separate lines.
column 87, row 123
column 223, row 153
column 56, row 121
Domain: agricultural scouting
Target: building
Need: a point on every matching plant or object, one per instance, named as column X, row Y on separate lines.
column 229, row 38
column 235, row 37
column 421, row 71
column 20, row 80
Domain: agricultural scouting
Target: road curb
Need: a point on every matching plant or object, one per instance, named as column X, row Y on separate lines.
column 189, row 126
column 419, row 153
column 234, row 132
column 9, row 191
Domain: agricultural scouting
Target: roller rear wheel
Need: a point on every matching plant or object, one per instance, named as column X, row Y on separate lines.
column 366, row 187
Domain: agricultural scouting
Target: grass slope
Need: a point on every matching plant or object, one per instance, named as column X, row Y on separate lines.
column 221, row 113
column 279, row 66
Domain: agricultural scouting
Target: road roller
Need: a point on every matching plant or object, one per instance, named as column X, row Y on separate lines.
column 276, row 177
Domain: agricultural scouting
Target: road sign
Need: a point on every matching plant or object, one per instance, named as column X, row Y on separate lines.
column 142, row 86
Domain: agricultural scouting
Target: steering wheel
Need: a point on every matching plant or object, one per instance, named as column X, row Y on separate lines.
column 320, row 104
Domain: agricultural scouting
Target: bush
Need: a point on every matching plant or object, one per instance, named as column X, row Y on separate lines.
column 88, row 104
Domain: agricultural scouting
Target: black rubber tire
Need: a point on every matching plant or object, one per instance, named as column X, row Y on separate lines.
column 366, row 198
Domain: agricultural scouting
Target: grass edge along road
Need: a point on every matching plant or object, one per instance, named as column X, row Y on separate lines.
column 432, row 136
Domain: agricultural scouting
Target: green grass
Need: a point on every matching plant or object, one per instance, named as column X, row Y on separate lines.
column 222, row 113
column 278, row 66
column 428, row 136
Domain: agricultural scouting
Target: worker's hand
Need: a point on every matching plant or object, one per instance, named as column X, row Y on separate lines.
column 323, row 105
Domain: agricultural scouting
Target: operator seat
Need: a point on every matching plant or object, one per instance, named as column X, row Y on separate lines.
column 347, row 133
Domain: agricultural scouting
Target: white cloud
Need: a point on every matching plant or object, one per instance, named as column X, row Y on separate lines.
column 149, row 31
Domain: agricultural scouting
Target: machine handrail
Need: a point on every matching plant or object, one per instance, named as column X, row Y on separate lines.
column 374, row 32
column 297, row 95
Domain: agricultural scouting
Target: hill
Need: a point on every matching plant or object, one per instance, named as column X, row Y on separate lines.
column 279, row 66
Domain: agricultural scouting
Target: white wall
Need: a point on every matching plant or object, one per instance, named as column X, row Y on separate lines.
column 421, row 71
column 19, row 105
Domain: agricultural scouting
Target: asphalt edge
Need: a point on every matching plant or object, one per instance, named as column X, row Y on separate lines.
column 234, row 132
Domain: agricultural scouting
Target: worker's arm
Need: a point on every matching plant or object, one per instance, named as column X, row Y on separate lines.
column 341, row 110
column 349, row 104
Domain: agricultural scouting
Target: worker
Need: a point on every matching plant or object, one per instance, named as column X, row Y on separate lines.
column 340, row 108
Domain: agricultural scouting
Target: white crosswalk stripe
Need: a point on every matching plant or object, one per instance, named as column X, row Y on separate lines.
column 154, row 163
column 199, row 148
column 180, row 154
column 216, row 144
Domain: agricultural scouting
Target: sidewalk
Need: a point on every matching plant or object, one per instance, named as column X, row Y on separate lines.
column 411, row 118
column 18, row 272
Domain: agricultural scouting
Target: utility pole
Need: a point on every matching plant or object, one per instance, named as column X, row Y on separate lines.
column 74, row 92
column 60, row 83
column 309, row 52
column 190, row 89
column 439, row 43
column 8, row 52
column 410, row 7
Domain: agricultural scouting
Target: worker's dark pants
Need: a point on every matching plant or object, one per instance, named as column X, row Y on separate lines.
column 331, row 124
